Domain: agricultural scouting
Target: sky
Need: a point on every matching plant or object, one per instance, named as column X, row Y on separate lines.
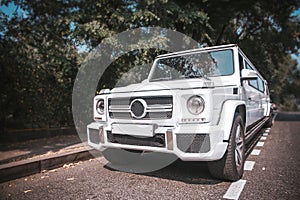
column 11, row 9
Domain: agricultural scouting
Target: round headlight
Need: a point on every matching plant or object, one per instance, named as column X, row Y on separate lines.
column 100, row 106
column 195, row 105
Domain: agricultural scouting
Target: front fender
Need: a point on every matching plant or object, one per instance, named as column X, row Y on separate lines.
column 227, row 116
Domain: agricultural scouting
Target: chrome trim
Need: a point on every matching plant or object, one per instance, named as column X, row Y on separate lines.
column 149, row 108
column 159, row 106
column 119, row 108
column 159, row 110
column 144, row 103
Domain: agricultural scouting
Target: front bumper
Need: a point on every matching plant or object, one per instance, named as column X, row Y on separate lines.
column 189, row 142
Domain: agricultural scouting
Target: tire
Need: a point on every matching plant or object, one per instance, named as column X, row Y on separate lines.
column 121, row 156
column 269, row 123
column 231, row 165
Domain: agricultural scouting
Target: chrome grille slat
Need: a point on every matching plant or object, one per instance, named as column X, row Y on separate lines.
column 159, row 110
column 160, row 106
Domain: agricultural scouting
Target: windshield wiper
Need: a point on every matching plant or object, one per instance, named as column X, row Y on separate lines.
column 196, row 76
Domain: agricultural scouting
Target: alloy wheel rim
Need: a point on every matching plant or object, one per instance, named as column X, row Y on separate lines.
column 239, row 157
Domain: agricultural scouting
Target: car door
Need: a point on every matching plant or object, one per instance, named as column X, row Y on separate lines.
column 253, row 99
column 264, row 98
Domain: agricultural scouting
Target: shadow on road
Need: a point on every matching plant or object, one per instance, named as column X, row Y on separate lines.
column 288, row 116
column 187, row 172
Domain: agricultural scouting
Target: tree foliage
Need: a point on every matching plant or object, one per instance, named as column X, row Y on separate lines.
column 39, row 45
column 39, row 63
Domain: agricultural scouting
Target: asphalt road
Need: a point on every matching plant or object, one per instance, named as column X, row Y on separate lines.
column 273, row 172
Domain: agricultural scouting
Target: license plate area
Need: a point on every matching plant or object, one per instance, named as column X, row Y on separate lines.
column 146, row 130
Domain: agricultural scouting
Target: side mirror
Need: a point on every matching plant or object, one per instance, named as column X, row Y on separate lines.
column 248, row 74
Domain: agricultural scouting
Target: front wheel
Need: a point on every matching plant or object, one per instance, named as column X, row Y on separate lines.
column 231, row 165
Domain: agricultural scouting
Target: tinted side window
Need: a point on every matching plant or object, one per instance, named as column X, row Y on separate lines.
column 260, row 84
column 252, row 83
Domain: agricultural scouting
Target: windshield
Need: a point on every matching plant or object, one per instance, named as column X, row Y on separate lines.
column 197, row 65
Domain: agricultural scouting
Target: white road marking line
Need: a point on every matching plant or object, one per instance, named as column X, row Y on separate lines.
column 260, row 144
column 267, row 130
column 263, row 138
column 255, row 152
column 235, row 190
column 249, row 165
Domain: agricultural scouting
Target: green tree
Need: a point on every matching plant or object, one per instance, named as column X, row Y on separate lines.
column 39, row 63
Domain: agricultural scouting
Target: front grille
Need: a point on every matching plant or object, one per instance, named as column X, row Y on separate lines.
column 157, row 107
column 157, row 140
column 193, row 143
column 94, row 136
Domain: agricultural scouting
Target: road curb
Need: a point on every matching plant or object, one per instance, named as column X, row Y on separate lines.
column 25, row 135
column 28, row 167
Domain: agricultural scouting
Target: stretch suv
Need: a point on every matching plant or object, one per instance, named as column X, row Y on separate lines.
column 200, row 105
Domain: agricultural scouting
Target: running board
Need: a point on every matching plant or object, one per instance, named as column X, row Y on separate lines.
column 251, row 133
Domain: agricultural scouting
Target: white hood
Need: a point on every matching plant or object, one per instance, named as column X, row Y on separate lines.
column 165, row 85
